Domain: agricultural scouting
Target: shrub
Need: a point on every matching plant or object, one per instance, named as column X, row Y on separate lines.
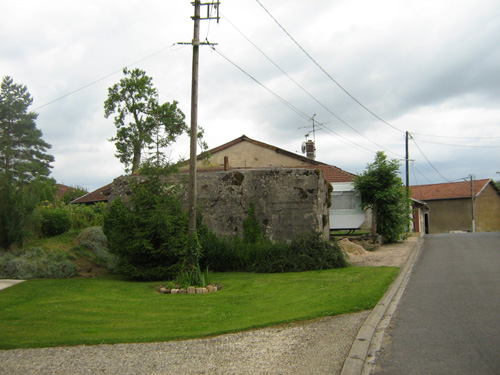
column 150, row 235
column 95, row 240
column 35, row 263
column 304, row 253
column 83, row 216
column 55, row 221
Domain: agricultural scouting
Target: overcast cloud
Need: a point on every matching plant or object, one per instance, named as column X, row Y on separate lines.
column 428, row 67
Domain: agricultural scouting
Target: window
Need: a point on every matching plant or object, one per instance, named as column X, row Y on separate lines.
column 345, row 200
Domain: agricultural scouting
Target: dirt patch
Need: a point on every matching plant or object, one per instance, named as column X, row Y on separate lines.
column 393, row 255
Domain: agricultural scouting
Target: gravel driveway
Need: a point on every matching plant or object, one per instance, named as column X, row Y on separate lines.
column 313, row 347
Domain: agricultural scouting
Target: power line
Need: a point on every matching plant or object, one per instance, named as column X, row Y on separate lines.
column 453, row 136
column 454, row 145
column 324, row 71
column 288, row 104
column 103, row 78
column 306, row 91
column 428, row 161
column 283, row 101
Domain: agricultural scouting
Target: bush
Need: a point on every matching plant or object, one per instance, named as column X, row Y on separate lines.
column 150, row 235
column 305, row 253
column 55, row 221
column 34, row 263
column 95, row 240
column 83, row 216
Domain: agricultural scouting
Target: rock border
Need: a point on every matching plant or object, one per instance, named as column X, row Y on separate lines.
column 211, row 288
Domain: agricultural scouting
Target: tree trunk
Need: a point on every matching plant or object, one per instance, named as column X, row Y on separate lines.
column 136, row 162
column 374, row 222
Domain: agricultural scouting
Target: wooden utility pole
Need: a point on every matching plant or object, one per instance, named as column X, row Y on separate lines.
column 194, row 109
column 194, row 120
column 407, row 166
column 472, row 196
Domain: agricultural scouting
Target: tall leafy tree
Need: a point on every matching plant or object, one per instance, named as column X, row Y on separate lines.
column 383, row 191
column 24, row 163
column 141, row 122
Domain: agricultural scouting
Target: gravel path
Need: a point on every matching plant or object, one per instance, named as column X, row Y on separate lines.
column 316, row 347
column 313, row 347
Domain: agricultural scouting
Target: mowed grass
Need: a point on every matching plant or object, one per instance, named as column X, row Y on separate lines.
column 44, row 313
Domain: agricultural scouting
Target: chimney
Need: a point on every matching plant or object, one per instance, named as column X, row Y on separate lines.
column 310, row 150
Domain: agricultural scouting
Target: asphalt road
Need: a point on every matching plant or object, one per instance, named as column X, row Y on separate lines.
column 448, row 319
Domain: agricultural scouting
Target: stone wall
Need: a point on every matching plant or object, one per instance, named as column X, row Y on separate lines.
column 287, row 201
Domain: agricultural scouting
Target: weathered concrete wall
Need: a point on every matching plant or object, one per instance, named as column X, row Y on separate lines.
column 287, row 201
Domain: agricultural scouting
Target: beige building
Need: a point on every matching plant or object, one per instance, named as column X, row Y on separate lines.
column 461, row 206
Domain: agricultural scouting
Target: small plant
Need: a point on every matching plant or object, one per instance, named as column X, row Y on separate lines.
column 190, row 278
column 252, row 232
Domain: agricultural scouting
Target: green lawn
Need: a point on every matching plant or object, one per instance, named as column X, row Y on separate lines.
column 42, row 313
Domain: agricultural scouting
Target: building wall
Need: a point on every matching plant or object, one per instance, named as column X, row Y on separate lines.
column 449, row 215
column 250, row 155
column 487, row 208
column 287, row 201
column 456, row 214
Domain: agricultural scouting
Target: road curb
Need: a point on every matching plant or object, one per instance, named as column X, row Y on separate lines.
column 369, row 337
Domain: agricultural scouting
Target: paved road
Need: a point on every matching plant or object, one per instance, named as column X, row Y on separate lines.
column 448, row 320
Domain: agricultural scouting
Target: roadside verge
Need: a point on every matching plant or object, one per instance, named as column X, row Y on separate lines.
column 360, row 360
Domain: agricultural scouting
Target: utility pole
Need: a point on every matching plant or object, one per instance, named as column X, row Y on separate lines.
column 407, row 162
column 194, row 108
column 407, row 159
column 473, row 213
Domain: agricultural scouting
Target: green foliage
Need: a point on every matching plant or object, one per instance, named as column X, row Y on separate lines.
column 141, row 122
column 17, row 205
column 72, row 193
column 35, row 263
column 252, row 232
column 23, row 152
column 95, row 241
column 55, row 221
column 149, row 235
column 84, row 216
column 383, row 191
column 304, row 253
column 24, row 164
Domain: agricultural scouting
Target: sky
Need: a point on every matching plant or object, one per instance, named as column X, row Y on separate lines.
column 367, row 72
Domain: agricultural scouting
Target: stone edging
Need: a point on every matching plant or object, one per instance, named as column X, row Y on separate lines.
column 191, row 290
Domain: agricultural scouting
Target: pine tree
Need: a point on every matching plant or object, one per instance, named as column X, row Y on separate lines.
column 24, row 162
column 23, row 152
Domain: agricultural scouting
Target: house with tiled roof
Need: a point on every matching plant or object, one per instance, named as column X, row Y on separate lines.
column 245, row 153
column 96, row 196
column 469, row 206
